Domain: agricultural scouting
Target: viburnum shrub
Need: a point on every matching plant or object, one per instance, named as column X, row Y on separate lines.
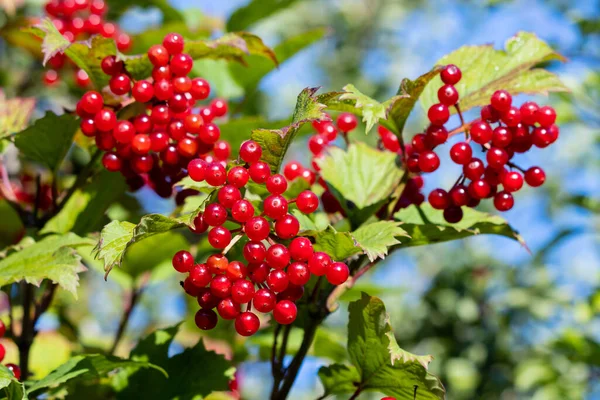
column 278, row 262
column 78, row 20
column 155, row 145
column 269, row 225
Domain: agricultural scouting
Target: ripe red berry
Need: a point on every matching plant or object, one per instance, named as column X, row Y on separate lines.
column 110, row 65
column 142, row 163
column 277, row 280
column 222, row 150
column 120, row 84
column 481, row 132
column 183, row 261
column 275, row 206
column 474, row 169
column 496, row 158
column 489, row 114
column 140, row 144
column 479, row 189
column 206, row 319
column 503, row 201
column 285, row 312
column 236, row 270
column 276, row 184
column 461, row 153
column 436, row 135
column 2, row 329
column 535, row 176
column 259, row 172
column 439, row 199
column 529, row 111
column 16, row 370
column 219, row 237
column 181, row 64
column 298, row 273
column 238, row 176
column 88, row 127
column 174, row 43
column 257, row 229
column 200, row 275
column 206, row 299
column 50, row 77
column 228, row 195
column 316, row 144
column 242, row 211
column 209, row 133
column 347, row 122
column 318, row 263
column 337, row 273
column 182, row 84
column 247, row 323
column 428, row 161
column 218, row 107
column 250, row 151
column 448, row 95
column 160, row 115
column 142, row 124
column 451, row 74
column 287, row 227
column 390, row 141
column 217, row 263
column 453, row 214
column 199, row 226
column 278, row 256
column 438, row 114
column 543, row 137
column 512, row 117
column 459, row 195
column 512, row 181
column 307, row 202
column 546, row 116
column 292, row 170
column 501, row 137
column 242, row 291
column 158, row 55
column 82, row 79
column 301, row 249
column 105, row 120
column 200, row 89
column 196, row 169
column 215, row 174
column 254, row 252
column 163, row 72
column 215, row 214
column 501, row 100
column 220, row 286
column 91, row 102
column 264, row 300
column 228, row 309
column 111, row 162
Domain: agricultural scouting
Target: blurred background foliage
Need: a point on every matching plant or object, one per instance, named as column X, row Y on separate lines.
column 502, row 322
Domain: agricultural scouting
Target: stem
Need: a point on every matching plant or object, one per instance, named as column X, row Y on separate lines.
column 25, row 339
column 135, row 296
column 356, row 393
column 275, row 367
column 284, row 343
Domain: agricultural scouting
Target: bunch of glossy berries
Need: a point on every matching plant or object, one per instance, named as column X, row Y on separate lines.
column 503, row 131
column 78, row 20
column 156, row 146
column 278, row 262
column 326, row 132
column 12, row 367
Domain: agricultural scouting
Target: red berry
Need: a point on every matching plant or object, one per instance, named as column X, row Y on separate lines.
column 182, row 84
column 105, row 120
column 236, row 270
column 217, row 263
column 529, row 111
column 501, row 137
column 307, row 202
column 337, row 273
column 512, row 117
column 196, row 169
column 206, row 299
column 220, row 286
column 276, row 184
column 111, row 162
column 287, row 227
column 228, row 309
column 91, row 102
column 183, row 261
column 318, row 263
column 278, row 256
column 277, row 280
column 222, row 150
column 254, row 252
column 215, row 214
column 453, row 214
column 285, row 312
column 200, row 89
column 535, row 176
column 163, row 72
column 501, row 100
column 481, row 132
column 238, row 176
column 209, row 133
column 489, row 114
column 474, row 169
column 298, row 273
column 120, row 84
column 439, row 199
column 451, row 74
column 503, row 201
column 2, row 329
column 200, row 275
column 479, row 189
column 428, row 161
column 16, row 370
column 218, row 107
column 316, row 144
column 160, row 115
column 390, row 142
column 206, row 319
column 158, row 55
column 259, row 172
column 242, row 291
column 181, row 64
column 301, row 249
column 124, row 132
column 496, row 158
column 228, row 195
column 170, row 156
column 142, row 163
column 242, row 211
column 436, row 135
column 88, row 127
column 110, row 65
column 512, row 181
column 347, row 122
column 250, row 151
column 292, row 170
column 264, row 300
column 140, row 144
column 308, row 176
column 82, row 79
column 438, row 114
column 546, row 116
column 247, row 323
column 219, row 237
column 544, row 137
column 448, row 95
column 142, row 124
column 50, row 77
column 215, row 174
column 461, row 153
column 257, row 229
column 275, row 206
column 199, row 226
column 258, row 272
column 459, row 195
column 174, row 43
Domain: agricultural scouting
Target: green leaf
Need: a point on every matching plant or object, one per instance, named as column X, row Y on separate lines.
column 379, row 364
column 84, row 212
column 116, row 237
column 275, row 142
column 238, row 130
column 339, row 245
column 362, row 174
column 14, row 114
column 89, row 367
column 51, row 258
column 87, row 55
column 485, row 70
column 409, row 92
column 151, row 252
column 169, row 14
column 258, row 67
column 371, row 110
column 254, row 12
column 10, row 386
column 314, row 222
column 189, row 183
column 426, row 225
column 232, row 46
column 194, row 372
column 375, row 238
column 48, row 139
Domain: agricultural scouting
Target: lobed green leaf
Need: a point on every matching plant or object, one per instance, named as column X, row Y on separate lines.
column 375, row 238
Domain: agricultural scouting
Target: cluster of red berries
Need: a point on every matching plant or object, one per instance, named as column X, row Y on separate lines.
column 12, row 367
column 156, row 146
column 78, row 20
column 326, row 133
column 502, row 131
column 278, row 261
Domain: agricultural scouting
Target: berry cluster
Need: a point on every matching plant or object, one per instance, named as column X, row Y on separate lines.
column 156, row 146
column 12, row 367
column 502, row 131
column 278, row 262
column 78, row 20
column 326, row 134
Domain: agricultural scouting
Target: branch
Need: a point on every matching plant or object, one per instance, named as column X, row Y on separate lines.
column 135, row 297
